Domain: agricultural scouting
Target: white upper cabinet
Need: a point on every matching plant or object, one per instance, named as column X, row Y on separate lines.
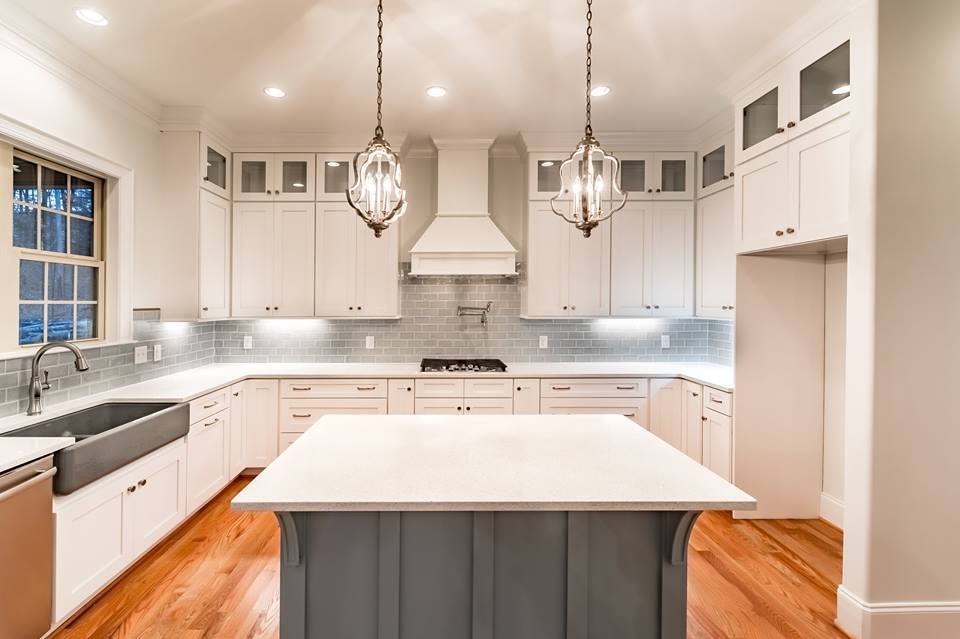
column 716, row 164
column 214, row 166
column 761, row 116
column 544, row 174
column 334, row 176
column 273, row 259
column 356, row 272
column 652, row 260
column 673, row 176
column 763, row 218
column 214, row 256
column 716, row 256
column 265, row 177
column 637, row 175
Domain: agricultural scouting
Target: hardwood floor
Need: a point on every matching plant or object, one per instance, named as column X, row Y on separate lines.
column 218, row 576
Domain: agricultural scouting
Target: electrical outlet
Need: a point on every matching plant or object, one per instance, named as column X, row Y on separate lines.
column 543, row 341
column 140, row 355
column 247, row 342
column 157, row 352
column 665, row 341
column 369, row 341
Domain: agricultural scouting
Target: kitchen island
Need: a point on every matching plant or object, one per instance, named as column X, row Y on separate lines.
column 484, row 527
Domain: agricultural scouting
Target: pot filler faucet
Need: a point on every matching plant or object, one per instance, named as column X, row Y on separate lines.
column 35, row 407
column 475, row 310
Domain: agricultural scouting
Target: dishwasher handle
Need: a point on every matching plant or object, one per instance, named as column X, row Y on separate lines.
column 33, row 481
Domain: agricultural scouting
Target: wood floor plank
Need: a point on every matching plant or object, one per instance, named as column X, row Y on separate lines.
column 218, row 576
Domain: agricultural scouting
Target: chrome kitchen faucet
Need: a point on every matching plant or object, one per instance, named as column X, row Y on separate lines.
column 37, row 387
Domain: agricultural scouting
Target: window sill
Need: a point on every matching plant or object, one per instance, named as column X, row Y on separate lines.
column 32, row 350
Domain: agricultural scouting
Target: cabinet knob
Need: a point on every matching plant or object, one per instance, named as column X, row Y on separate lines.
column 206, row 179
column 723, row 308
column 731, row 173
column 656, row 306
column 142, row 482
column 359, row 308
column 564, row 308
column 459, row 408
column 725, row 177
column 350, row 308
column 790, row 125
column 730, row 308
column 649, row 307
column 658, row 190
column 649, row 190
column 205, row 308
column 573, row 308
column 518, row 388
column 131, row 489
column 409, row 389
column 780, row 129
column 468, row 408
column 276, row 308
column 789, row 230
column 695, row 394
column 267, row 308
column 703, row 419
column 779, row 233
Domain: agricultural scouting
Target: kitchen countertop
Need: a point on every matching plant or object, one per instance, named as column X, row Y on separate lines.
column 190, row 384
column 486, row 463
column 15, row 451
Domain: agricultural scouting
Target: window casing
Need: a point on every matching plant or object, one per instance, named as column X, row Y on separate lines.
column 57, row 215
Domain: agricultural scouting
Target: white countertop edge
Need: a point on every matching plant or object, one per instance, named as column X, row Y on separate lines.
column 17, row 451
column 466, row 506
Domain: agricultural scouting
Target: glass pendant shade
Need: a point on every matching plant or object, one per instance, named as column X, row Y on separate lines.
column 377, row 194
column 585, row 199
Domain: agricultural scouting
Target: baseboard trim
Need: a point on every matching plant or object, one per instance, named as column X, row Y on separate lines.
column 897, row 619
column 831, row 509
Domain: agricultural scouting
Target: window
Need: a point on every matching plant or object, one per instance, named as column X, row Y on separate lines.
column 57, row 220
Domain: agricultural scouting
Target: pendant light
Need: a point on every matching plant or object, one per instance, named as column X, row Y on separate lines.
column 582, row 200
column 377, row 195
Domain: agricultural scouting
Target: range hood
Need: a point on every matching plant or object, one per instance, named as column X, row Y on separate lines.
column 462, row 239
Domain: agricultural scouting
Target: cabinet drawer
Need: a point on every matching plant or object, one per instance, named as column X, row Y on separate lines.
column 488, row 406
column 286, row 439
column 438, row 406
column 718, row 400
column 634, row 408
column 297, row 415
column 334, row 388
column 488, row 388
column 203, row 407
column 599, row 387
column 431, row 387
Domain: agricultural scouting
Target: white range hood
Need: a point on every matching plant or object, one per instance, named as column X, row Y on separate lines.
column 462, row 239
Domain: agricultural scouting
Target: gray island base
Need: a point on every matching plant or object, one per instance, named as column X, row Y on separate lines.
column 413, row 527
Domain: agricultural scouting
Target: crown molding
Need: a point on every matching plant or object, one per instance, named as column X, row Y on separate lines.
column 556, row 141
column 195, row 118
column 720, row 124
column 308, row 142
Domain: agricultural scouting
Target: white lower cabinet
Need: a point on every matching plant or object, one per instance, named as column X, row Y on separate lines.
column 666, row 410
column 208, row 458
column 260, row 408
column 526, row 397
column 400, row 397
column 488, row 406
column 286, row 440
column 103, row 527
column 635, row 408
column 438, row 406
column 238, row 427
column 693, row 420
column 303, row 402
column 718, row 443
column 471, row 396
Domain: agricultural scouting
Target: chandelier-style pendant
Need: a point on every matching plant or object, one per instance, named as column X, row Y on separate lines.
column 377, row 194
column 583, row 199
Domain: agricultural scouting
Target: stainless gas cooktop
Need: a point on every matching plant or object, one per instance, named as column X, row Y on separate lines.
column 462, row 366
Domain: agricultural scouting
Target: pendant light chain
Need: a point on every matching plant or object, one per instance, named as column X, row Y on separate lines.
column 378, row 132
column 588, row 130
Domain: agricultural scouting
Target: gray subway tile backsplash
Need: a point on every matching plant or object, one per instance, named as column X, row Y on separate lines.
column 429, row 328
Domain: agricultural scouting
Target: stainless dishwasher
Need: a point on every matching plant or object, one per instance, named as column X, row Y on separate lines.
column 26, row 549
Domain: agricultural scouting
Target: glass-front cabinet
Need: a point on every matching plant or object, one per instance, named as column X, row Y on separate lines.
column 284, row 177
column 715, row 161
column 544, row 174
column 334, row 176
column 214, row 166
column 673, row 176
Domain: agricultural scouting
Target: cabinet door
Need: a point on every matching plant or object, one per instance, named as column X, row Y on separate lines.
column 716, row 165
column 666, row 410
column 254, row 248
column 260, row 406
column 294, row 265
column 589, row 271
column 548, row 258
column 761, row 205
column 159, row 503
column 693, row 421
column 821, row 71
column 716, row 256
column 400, row 397
column 820, row 181
column 543, row 171
column 295, row 177
column 488, row 406
column 636, row 176
column 334, row 176
column 207, row 463
column 237, row 428
column 253, row 178
column 762, row 114
column 214, row 256
column 673, row 176
column 214, row 167
column 526, row 397
column 438, row 406
column 670, row 264
column 377, row 280
column 336, row 261
column 628, row 254
column 718, row 443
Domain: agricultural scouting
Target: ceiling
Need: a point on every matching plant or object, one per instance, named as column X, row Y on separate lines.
column 509, row 65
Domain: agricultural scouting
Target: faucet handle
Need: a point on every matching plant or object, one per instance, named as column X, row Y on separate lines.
column 46, row 380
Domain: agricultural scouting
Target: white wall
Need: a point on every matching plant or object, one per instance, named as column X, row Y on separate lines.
column 834, row 382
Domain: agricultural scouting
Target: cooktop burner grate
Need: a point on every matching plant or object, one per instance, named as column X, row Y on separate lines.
column 462, row 366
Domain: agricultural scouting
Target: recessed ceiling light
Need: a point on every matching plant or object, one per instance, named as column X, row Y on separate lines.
column 436, row 92
column 547, row 163
column 842, row 90
column 91, row 16
column 599, row 91
column 333, row 163
column 298, row 185
column 275, row 92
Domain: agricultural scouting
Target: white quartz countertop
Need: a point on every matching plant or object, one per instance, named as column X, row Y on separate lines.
column 15, row 451
column 489, row 462
column 190, row 384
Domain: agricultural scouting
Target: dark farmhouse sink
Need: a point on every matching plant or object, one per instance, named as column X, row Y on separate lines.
column 109, row 436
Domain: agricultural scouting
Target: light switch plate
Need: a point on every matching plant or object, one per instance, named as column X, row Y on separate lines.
column 543, row 341
column 139, row 354
column 370, row 341
column 157, row 352
column 664, row 341
column 247, row 342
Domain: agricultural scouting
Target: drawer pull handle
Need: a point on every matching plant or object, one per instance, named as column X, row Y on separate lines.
column 560, row 387
column 366, row 388
column 629, row 414
column 302, row 388
column 716, row 401
column 213, row 422
column 625, row 387
column 206, row 406
column 302, row 415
